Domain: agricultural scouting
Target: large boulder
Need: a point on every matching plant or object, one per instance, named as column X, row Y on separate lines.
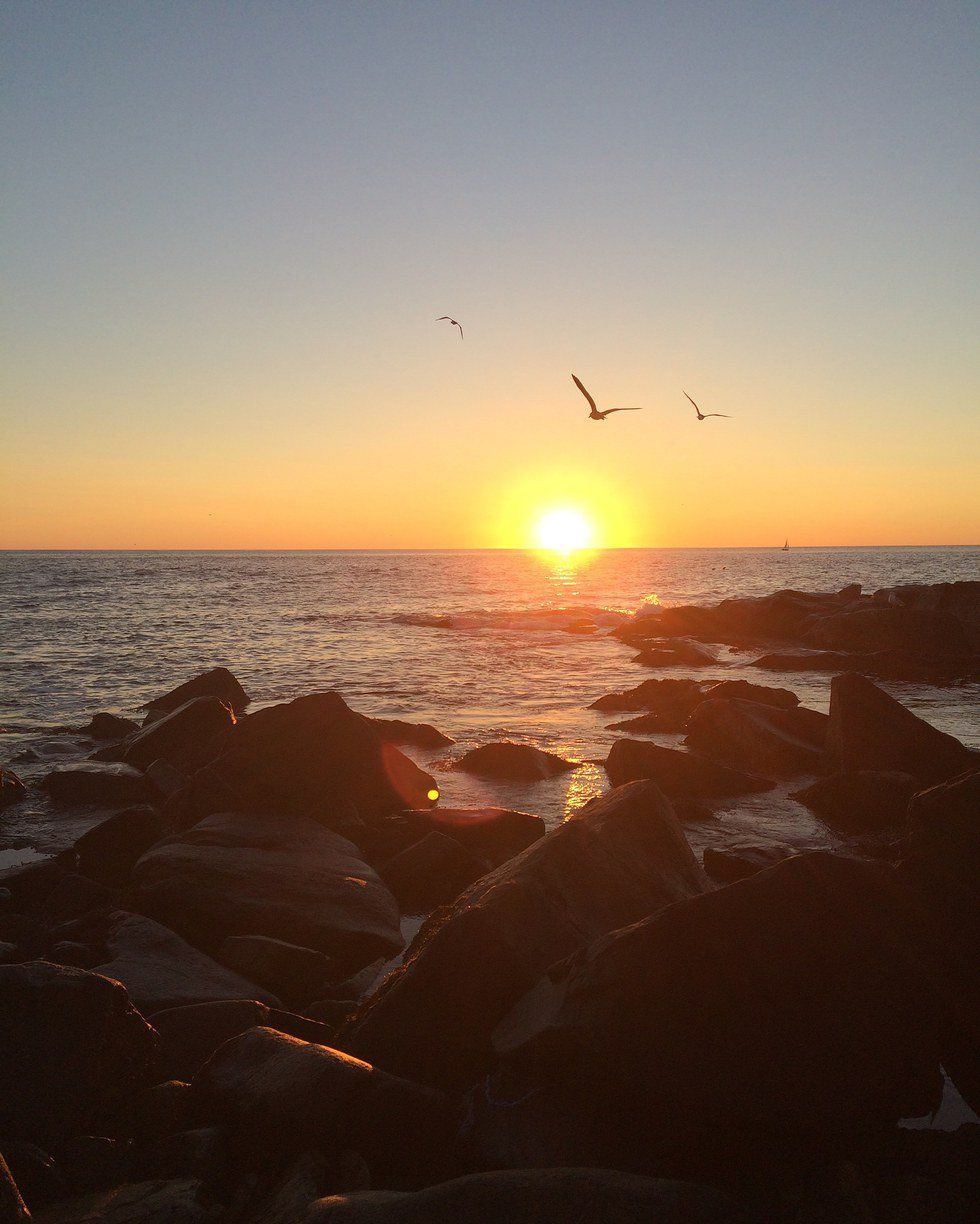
column 680, row 775
column 108, row 851
column 108, row 785
column 421, row 735
column 513, row 762
column 533, row 1196
column 760, row 738
column 295, row 974
column 309, row 757
column 671, row 700
column 187, row 736
column 74, row 1048
column 285, row 877
column 105, row 726
column 492, row 834
column 745, row 690
column 161, row 970
column 430, row 872
column 868, row 729
column 674, row 652
column 614, row 861
column 218, row 682
column 799, row 1006
column 309, row 1095
column 923, row 632
column 12, row 790
column 860, row 801
column 739, row 862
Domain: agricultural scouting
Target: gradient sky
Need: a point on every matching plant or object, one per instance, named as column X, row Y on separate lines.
column 228, row 228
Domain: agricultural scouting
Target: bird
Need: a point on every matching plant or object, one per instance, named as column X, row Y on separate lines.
column 447, row 319
column 703, row 416
column 594, row 413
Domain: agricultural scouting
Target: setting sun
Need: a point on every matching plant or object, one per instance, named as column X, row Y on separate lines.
column 564, row 531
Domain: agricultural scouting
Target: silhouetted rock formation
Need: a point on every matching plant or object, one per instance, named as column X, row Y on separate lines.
column 219, row 682
column 739, row 862
column 109, row 727
column 674, row 652
column 760, row 738
column 12, row 790
column 105, row 784
column 188, row 736
column 514, row 762
column 863, row 800
column 680, row 775
column 422, row 735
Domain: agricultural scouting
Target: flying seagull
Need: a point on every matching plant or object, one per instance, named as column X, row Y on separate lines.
column 594, row 413
column 703, row 416
column 447, row 319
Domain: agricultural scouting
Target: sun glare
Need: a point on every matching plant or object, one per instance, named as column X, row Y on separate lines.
column 564, row 531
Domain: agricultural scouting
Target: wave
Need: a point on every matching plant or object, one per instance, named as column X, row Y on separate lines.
column 521, row 620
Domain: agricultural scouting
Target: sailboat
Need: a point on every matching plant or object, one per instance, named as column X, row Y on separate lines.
column 785, row 547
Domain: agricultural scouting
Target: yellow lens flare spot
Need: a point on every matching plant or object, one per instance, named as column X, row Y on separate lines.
column 433, row 795
column 564, row 530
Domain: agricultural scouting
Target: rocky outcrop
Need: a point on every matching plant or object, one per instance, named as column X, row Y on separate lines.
column 295, row 974
column 188, row 736
column 492, row 834
column 760, row 738
column 109, row 727
column 688, row 1027
column 74, row 1048
column 430, row 872
column 108, row 852
column 161, row 970
column 878, row 628
column 218, row 682
column 421, row 735
column 674, row 652
column 744, row 690
column 680, row 775
column 91, row 782
column 513, row 762
column 285, row 877
column 864, row 800
column 534, row 1196
column 739, row 862
column 868, row 729
column 614, row 861
column 269, row 1084
column 310, row 757
column 12, row 790
column 671, row 700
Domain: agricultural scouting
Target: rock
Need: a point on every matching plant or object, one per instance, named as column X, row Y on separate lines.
column 109, row 727
column 861, row 800
column 12, row 790
column 491, row 834
column 73, row 896
column 12, row 1206
column 871, row 629
column 159, row 1111
column 514, row 762
column 806, row 660
column 421, row 735
column 870, row 730
column 148, row 1202
column 190, row 1035
column 271, row 1084
column 10, row 954
column 743, row 690
column 160, row 970
column 675, row 652
column 90, row 1162
column 759, row 738
column 71, row 952
column 671, row 700
column 108, row 851
column 331, row 1012
column 430, row 872
column 739, row 862
column 285, row 877
column 680, row 775
column 612, row 862
column 689, row 1025
column 219, row 682
column 295, row 974
column 165, row 780
column 533, row 1196
column 188, row 736
column 107, row 784
column 74, row 1048
column 310, row 757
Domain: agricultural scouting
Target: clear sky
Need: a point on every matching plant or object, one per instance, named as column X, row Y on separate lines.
column 228, row 230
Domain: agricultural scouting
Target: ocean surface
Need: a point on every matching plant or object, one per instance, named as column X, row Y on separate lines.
column 476, row 642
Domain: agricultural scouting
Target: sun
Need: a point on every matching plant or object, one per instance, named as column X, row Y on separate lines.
column 563, row 530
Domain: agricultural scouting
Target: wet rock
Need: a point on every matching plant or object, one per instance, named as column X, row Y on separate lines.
column 107, row 784
column 109, row 727
column 671, row 700
column 161, row 970
column 12, row 1206
column 190, row 1035
column 421, row 735
column 760, row 738
column 744, row 690
column 310, row 757
column 12, row 790
column 285, row 877
column 491, row 834
column 294, row 973
column 74, row 1048
column 868, row 729
column 680, row 775
column 806, row 660
column 148, row 1202
column 431, row 872
column 108, row 852
column 876, row 628
column 514, row 762
column 860, row 800
column 188, row 736
column 219, row 682
column 614, row 861
column 688, row 1027
column 534, row 1196
column 739, row 862
column 675, row 652
column 313, row 1096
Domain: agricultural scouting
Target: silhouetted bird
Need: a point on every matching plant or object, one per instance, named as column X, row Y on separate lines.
column 594, row 413
column 447, row 319
column 703, row 416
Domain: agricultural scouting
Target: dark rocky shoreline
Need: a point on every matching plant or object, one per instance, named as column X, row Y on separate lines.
column 208, row 1012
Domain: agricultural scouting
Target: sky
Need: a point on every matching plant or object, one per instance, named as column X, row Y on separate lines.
column 228, row 229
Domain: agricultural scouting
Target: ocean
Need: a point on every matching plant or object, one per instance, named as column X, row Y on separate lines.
column 484, row 644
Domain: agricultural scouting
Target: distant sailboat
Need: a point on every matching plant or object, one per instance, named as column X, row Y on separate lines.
column 785, row 547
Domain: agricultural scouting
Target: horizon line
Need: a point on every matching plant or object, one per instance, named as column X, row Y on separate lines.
column 496, row 548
